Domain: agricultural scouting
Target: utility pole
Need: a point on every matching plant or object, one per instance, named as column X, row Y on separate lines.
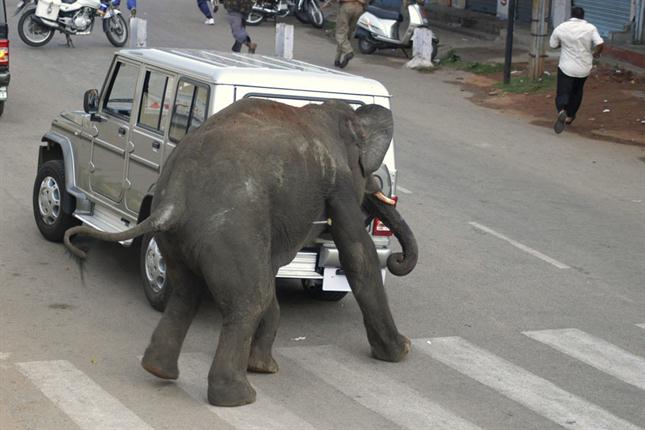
column 508, row 58
column 539, row 35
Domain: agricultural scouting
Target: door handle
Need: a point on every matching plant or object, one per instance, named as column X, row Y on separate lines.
column 156, row 145
column 122, row 131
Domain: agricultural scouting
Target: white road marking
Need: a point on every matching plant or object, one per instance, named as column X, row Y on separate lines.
column 518, row 245
column 595, row 352
column 403, row 190
column 264, row 414
column 522, row 386
column 85, row 402
column 372, row 389
column 641, row 325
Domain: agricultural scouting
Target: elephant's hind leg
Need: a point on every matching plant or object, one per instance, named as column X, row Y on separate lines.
column 261, row 360
column 162, row 354
column 243, row 298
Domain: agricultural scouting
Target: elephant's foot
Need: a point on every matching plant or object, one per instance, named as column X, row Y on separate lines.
column 393, row 352
column 230, row 393
column 158, row 366
column 261, row 363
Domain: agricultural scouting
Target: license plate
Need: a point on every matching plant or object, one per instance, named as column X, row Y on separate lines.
column 335, row 280
column 3, row 93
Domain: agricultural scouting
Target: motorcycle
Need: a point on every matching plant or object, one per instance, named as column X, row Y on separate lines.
column 309, row 12
column 380, row 28
column 40, row 19
column 263, row 9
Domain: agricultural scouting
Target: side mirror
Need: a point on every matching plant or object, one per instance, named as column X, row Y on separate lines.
column 91, row 101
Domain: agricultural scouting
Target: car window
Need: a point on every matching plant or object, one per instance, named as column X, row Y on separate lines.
column 121, row 91
column 154, row 104
column 191, row 108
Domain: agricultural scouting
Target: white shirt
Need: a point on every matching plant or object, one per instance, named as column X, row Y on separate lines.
column 577, row 38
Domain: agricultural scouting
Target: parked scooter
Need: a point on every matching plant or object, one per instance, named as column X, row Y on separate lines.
column 42, row 18
column 263, row 9
column 380, row 28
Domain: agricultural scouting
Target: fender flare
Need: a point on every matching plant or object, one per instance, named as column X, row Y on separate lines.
column 79, row 199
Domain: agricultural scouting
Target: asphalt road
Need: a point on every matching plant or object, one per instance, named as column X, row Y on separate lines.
column 527, row 306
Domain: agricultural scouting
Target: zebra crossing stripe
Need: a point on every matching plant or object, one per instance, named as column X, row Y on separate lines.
column 372, row 389
column 264, row 414
column 85, row 402
column 595, row 352
column 522, row 386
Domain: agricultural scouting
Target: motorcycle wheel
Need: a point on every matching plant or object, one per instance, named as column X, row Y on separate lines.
column 31, row 32
column 302, row 15
column 116, row 30
column 255, row 18
column 316, row 17
column 366, row 47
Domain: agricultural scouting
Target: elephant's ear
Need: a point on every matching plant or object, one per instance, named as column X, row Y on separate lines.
column 375, row 130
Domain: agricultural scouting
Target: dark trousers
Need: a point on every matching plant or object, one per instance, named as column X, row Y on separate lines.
column 203, row 6
column 569, row 94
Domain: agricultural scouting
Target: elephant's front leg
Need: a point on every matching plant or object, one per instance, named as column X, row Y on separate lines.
column 359, row 260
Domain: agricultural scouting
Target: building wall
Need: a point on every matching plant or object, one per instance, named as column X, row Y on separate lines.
column 607, row 16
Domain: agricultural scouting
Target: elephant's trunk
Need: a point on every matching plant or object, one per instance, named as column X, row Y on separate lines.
column 399, row 263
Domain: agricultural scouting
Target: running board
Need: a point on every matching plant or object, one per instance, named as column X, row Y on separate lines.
column 302, row 267
column 103, row 220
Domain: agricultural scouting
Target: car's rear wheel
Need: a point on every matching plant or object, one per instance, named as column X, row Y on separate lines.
column 313, row 288
column 153, row 273
column 1, row 108
column 49, row 197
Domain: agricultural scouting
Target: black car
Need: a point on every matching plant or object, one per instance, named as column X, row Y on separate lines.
column 4, row 55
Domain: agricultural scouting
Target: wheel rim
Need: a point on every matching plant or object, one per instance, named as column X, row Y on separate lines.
column 316, row 13
column 116, row 27
column 49, row 200
column 155, row 267
column 35, row 32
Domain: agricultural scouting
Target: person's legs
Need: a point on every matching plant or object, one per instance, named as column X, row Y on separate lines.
column 342, row 29
column 238, row 29
column 576, row 97
column 203, row 6
column 562, row 99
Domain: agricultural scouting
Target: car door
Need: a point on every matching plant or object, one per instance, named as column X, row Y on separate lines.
column 148, row 135
column 110, row 146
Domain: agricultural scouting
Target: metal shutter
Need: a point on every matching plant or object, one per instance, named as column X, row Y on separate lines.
column 524, row 10
column 485, row 6
column 607, row 16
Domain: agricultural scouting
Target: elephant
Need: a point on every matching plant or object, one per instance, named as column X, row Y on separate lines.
column 237, row 199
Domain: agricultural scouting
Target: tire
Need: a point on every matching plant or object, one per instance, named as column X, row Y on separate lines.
column 366, row 47
column 26, row 26
column 315, row 14
column 302, row 14
column 255, row 18
column 1, row 107
column 313, row 288
column 153, row 273
column 49, row 198
column 435, row 49
column 116, row 30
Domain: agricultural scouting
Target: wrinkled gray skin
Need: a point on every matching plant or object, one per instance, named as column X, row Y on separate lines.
column 236, row 201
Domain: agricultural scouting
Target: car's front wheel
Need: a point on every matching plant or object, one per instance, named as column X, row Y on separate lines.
column 49, row 196
column 153, row 273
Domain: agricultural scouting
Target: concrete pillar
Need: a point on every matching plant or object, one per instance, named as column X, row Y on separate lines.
column 502, row 9
column 539, row 38
column 560, row 11
column 138, row 33
column 284, row 40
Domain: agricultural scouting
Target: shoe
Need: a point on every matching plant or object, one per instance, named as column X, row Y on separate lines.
column 569, row 120
column 343, row 63
column 559, row 125
column 252, row 46
column 133, row 12
column 209, row 21
column 337, row 63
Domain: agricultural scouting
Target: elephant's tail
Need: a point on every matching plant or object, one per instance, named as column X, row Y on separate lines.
column 161, row 219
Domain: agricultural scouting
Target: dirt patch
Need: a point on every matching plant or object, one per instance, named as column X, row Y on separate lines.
column 613, row 107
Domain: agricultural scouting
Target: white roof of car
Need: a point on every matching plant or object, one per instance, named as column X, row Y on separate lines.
column 230, row 68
